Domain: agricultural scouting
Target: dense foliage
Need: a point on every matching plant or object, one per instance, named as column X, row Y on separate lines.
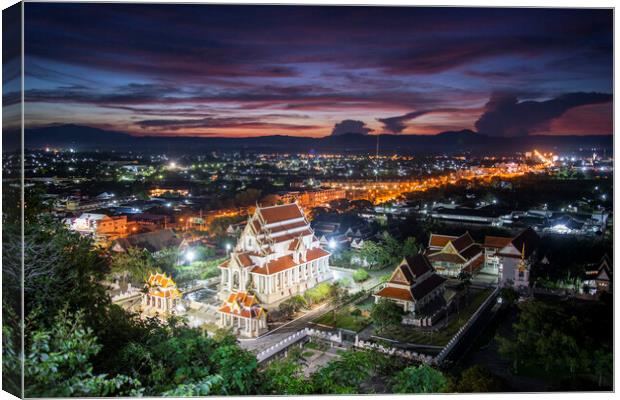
column 562, row 339
column 386, row 313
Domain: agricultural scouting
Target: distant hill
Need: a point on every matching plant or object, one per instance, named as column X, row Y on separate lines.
column 89, row 138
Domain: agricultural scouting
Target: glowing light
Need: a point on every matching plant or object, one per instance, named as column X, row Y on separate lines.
column 190, row 255
column 332, row 244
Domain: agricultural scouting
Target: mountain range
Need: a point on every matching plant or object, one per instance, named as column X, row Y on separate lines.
column 85, row 138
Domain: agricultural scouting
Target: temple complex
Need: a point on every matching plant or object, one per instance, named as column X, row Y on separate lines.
column 277, row 257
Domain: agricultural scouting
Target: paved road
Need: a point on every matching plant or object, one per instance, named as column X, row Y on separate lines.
column 274, row 336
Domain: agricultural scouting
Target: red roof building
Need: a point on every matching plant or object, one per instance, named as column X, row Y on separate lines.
column 451, row 255
column 276, row 257
column 413, row 284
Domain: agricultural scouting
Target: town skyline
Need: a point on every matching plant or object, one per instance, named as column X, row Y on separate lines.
column 245, row 71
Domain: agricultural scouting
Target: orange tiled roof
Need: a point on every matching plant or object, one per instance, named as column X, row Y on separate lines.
column 160, row 280
column 294, row 244
column 290, row 236
column 242, row 304
column 475, row 265
column 315, row 253
column 245, row 260
column 395, row 293
column 463, row 242
column 281, row 213
column 439, row 240
column 172, row 293
column 285, row 227
column 497, row 242
column 446, row 257
column 275, row 266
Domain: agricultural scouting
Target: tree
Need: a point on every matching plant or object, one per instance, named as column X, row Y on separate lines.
column 202, row 388
column 465, row 278
column 602, row 364
column 284, row 377
column 167, row 259
column 57, row 362
column 420, row 379
column 360, row 275
column 134, row 265
column 386, row 313
column 545, row 335
column 374, row 254
column 509, row 295
column 238, row 369
column 292, row 305
column 410, row 247
column 477, row 379
column 345, row 374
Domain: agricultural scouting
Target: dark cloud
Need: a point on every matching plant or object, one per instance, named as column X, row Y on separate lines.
column 505, row 115
column 350, row 126
column 214, row 122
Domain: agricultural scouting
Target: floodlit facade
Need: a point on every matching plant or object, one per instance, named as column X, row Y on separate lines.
column 161, row 296
column 277, row 257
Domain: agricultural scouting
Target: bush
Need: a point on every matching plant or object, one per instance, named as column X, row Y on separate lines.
column 360, row 275
column 320, row 292
column 292, row 305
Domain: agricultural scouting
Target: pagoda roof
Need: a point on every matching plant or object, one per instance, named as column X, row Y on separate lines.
column 280, row 213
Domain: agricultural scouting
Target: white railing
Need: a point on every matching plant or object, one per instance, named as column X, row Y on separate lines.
column 296, row 337
column 455, row 339
column 393, row 351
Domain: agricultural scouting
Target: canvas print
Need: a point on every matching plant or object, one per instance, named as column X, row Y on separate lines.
column 227, row 199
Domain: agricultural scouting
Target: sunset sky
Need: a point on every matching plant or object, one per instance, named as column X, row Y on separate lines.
column 256, row 70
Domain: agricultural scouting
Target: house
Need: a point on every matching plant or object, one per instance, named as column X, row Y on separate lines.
column 451, row 255
column 277, row 257
column 153, row 242
column 100, row 226
column 413, row 284
column 161, row 295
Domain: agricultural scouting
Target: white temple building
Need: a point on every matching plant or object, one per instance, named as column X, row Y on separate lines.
column 277, row 256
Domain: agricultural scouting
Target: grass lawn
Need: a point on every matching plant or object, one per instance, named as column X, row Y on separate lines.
column 342, row 318
column 412, row 334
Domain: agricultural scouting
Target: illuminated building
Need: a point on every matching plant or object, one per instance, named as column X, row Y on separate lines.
column 277, row 257
column 313, row 198
column 100, row 226
column 161, row 295
column 241, row 312
column 451, row 255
